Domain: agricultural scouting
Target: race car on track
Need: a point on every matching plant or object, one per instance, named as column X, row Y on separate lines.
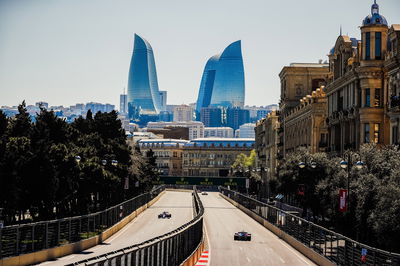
column 164, row 215
column 242, row 236
column 204, row 193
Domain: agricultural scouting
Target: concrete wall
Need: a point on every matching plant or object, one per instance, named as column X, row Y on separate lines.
column 306, row 251
column 52, row 253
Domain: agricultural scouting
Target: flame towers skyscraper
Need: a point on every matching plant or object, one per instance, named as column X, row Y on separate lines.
column 143, row 92
column 222, row 83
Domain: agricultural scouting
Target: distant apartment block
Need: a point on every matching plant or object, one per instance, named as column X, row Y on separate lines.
column 219, row 132
column 183, row 113
column 246, row 131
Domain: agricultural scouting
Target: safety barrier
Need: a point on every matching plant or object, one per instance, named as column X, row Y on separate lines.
column 335, row 247
column 27, row 238
column 172, row 248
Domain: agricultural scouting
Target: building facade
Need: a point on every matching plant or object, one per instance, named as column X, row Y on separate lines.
column 123, row 104
column 143, row 93
column 213, row 157
column 236, row 116
column 247, row 131
column 212, row 116
column 222, row 83
column 297, row 81
column 219, row 132
column 266, row 146
column 183, row 113
column 357, row 96
column 392, row 82
column 168, row 153
column 305, row 125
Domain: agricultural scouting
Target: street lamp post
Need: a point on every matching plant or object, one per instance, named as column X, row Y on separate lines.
column 302, row 165
column 345, row 165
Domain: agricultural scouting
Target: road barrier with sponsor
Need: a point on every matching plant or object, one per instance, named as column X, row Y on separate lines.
column 335, row 247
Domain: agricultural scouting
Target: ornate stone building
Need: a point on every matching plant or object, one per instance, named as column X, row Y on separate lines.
column 297, row 81
column 356, row 94
column 168, row 153
column 213, row 157
column 392, row 84
column 267, row 145
column 305, row 125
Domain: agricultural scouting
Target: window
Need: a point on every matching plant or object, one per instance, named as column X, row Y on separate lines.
column 378, row 48
column 377, row 102
column 395, row 135
column 376, row 133
column 367, row 46
column 366, row 133
column 367, row 98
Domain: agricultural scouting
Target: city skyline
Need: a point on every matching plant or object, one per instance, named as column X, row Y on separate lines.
column 65, row 61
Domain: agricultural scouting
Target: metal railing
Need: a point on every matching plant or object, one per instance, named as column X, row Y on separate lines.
column 19, row 239
column 335, row 247
column 172, row 248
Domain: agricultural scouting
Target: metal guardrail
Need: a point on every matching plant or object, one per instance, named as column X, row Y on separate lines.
column 25, row 238
column 170, row 249
column 335, row 247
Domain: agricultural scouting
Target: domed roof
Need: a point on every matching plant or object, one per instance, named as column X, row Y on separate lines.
column 375, row 18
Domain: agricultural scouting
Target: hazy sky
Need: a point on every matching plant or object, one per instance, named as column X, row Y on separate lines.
column 69, row 51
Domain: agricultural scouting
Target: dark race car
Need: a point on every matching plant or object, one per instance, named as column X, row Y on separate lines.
column 164, row 215
column 204, row 193
column 244, row 236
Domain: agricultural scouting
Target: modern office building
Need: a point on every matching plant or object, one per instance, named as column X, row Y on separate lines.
column 235, row 117
column 123, row 104
column 143, row 94
column 219, row 132
column 163, row 100
column 222, row 83
column 212, row 116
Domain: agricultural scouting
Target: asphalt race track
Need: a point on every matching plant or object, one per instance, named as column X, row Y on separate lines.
column 144, row 227
column 222, row 220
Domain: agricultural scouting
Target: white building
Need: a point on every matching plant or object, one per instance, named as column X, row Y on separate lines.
column 220, row 132
column 196, row 128
column 183, row 113
column 246, row 131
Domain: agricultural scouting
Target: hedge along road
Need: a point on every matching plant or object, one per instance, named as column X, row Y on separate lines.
column 222, row 220
column 144, row 227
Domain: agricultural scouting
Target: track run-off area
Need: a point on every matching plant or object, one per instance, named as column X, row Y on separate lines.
column 221, row 220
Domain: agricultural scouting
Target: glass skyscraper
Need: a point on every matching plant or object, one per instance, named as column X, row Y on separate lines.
column 143, row 94
column 222, row 84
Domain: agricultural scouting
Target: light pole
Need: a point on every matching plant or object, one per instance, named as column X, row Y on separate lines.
column 345, row 165
column 303, row 189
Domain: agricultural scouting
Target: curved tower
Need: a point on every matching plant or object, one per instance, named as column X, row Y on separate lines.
column 143, row 93
column 222, row 83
